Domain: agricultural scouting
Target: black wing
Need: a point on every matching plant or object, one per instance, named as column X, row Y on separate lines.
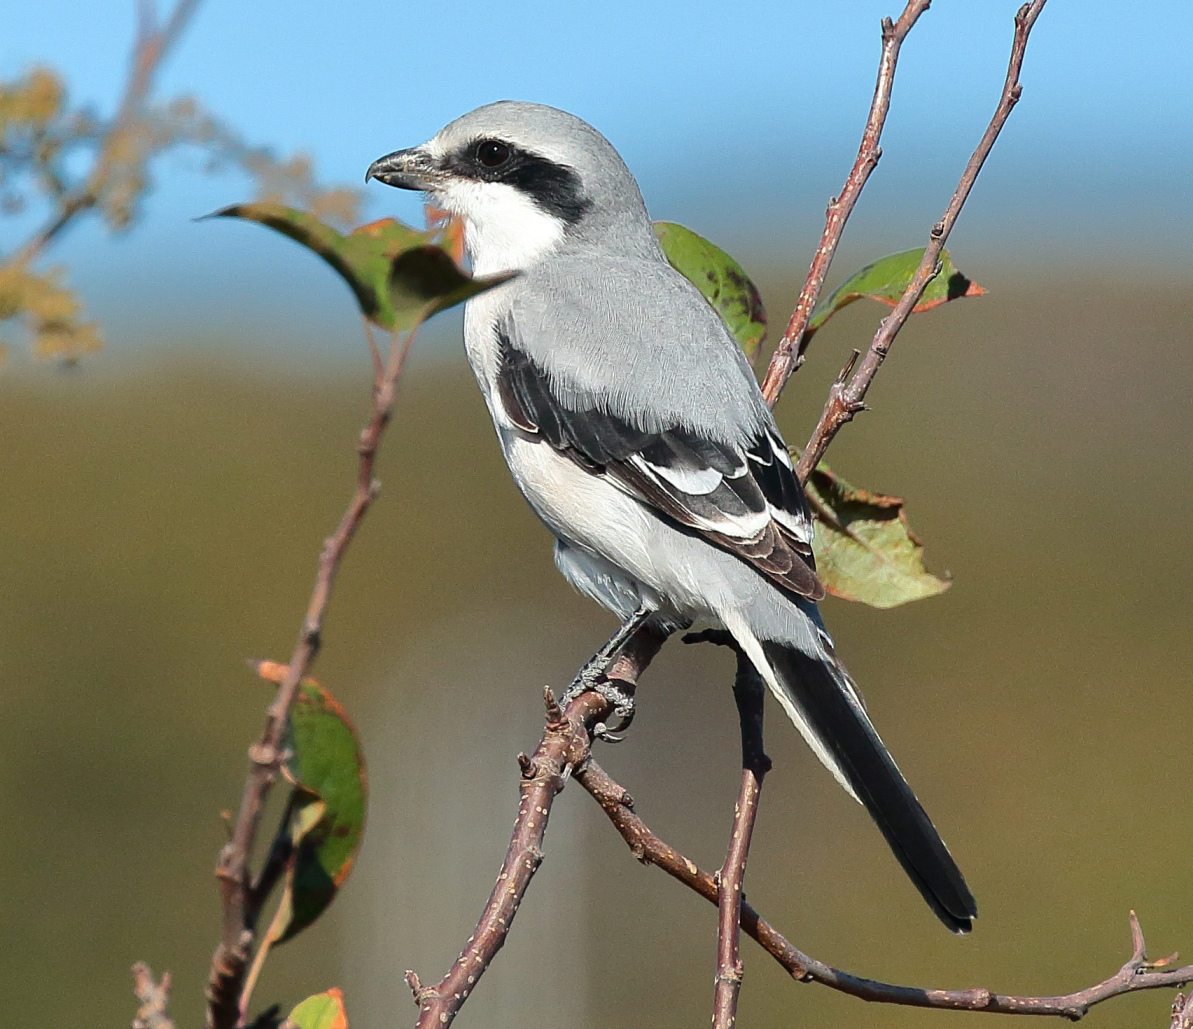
column 747, row 501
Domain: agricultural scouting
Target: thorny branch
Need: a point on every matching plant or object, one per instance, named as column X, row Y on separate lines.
column 847, row 394
column 789, row 354
column 241, row 902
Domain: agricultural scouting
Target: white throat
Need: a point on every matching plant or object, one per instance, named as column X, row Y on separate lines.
column 504, row 230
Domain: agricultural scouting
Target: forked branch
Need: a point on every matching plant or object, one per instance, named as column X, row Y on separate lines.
column 565, row 744
column 563, row 748
column 847, row 395
column 789, row 354
column 1136, row 974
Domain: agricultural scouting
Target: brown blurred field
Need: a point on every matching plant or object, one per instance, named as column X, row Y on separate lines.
column 160, row 523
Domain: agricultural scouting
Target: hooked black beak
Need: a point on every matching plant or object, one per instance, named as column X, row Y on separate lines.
column 406, row 169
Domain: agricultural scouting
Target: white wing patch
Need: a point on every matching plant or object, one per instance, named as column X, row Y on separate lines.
column 695, row 481
column 780, row 451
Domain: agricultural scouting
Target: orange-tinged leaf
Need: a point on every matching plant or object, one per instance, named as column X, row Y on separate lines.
column 271, row 671
column 321, row 1011
column 450, row 229
column 885, row 281
column 399, row 275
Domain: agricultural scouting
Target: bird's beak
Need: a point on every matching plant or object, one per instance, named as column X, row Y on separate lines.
column 406, row 169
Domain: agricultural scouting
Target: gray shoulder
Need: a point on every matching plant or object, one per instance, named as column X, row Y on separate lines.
column 640, row 337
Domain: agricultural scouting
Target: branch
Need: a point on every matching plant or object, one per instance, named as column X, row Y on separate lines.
column 749, row 692
column 1137, row 974
column 149, row 50
column 153, row 996
column 848, row 392
column 241, row 903
column 564, row 747
column 789, row 354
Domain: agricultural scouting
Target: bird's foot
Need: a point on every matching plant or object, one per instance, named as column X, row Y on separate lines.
column 623, row 707
column 622, row 701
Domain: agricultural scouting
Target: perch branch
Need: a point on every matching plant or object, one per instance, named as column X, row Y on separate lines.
column 564, row 747
column 848, row 393
column 749, row 693
column 789, row 354
column 152, row 44
column 1136, row 974
column 241, row 903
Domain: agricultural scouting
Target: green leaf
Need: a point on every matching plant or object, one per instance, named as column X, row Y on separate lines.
column 722, row 281
column 865, row 548
column 322, row 1011
column 425, row 281
column 329, row 803
column 399, row 275
column 887, row 278
column 321, row 831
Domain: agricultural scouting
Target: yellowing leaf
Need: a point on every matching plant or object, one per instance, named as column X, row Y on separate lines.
column 865, row 549
column 321, row 1011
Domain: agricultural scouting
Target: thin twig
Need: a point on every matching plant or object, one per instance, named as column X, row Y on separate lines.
column 749, row 692
column 150, row 48
column 789, row 354
column 241, row 904
column 564, row 746
column 154, row 995
column 1135, row 975
column 847, row 394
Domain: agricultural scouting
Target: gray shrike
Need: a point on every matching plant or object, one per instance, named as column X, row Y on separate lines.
column 633, row 425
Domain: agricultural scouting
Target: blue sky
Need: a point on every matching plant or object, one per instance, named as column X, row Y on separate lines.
column 738, row 119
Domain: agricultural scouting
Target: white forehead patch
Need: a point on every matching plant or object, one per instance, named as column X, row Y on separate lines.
column 504, row 230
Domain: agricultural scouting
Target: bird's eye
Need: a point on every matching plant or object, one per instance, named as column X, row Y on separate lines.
column 492, row 153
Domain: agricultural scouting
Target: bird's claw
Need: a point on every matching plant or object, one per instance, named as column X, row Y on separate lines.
column 621, row 700
column 623, row 708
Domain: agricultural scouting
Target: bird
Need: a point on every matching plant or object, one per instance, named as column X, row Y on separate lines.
column 634, row 426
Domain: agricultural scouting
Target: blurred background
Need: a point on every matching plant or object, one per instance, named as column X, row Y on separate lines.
column 162, row 505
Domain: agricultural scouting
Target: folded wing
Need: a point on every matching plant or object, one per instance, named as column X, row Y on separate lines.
column 745, row 499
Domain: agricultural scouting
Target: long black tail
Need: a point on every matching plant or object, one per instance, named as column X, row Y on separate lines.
column 829, row 703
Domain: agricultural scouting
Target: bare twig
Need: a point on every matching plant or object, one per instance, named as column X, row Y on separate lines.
column 1135, row 975
column 150, row 48
column 154, row 995
column 848, row 393
column 789, row 354
column 241, row 903
column 748, row 691
column 564, row 746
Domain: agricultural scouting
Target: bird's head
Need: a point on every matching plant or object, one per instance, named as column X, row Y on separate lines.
column 526, row 179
